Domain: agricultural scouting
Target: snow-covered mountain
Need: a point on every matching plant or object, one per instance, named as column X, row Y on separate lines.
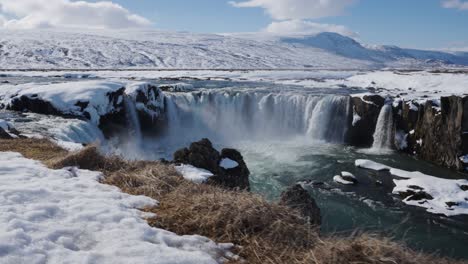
column 46, row 49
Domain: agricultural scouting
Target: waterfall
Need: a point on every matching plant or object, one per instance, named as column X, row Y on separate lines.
column 227, row 115
column 383, row 136
column 133, row 120
column 329, row 119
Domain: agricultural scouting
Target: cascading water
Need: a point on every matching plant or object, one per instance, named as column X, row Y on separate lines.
column 227, row 115
column 329, row 119
column 384, row 134
column 133, row 121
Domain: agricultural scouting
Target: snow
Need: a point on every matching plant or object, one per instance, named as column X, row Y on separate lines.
column 339, row 179
column 194, row 174
column 66, row 216
column 443, row 191
column 371, row 165
column 228, row 164
column 117, row 49
column 65, row 96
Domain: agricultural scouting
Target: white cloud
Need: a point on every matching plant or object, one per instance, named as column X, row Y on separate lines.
column 457, row 4
column 303, row 27
column 68, row 14
column 298, row 9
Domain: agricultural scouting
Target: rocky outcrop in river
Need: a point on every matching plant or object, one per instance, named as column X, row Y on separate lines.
column 228, row 167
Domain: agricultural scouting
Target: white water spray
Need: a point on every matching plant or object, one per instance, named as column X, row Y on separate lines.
column 227, row 116
column 133, row 121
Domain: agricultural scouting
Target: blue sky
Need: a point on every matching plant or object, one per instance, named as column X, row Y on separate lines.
column 406, row 23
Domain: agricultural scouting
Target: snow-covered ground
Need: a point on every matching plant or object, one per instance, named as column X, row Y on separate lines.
column 66, row 216
column 52, row 49
column 446, row 196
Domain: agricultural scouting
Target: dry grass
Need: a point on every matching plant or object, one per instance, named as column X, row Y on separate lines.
column 38, row 149
column 266, row 232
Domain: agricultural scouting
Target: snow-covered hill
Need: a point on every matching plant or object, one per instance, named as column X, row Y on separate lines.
column 168, row 50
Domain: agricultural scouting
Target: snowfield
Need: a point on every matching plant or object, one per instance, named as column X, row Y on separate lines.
column 66, row 216
column 52, row 49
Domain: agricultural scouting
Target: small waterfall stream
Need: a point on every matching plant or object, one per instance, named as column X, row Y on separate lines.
column 133, row 121
column 384, row 134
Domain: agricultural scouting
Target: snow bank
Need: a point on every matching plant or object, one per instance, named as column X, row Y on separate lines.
column 194, row 174
column 82, row 98
column 371, row 165
column 439, row 196
column 228, row 164
column 66, row 216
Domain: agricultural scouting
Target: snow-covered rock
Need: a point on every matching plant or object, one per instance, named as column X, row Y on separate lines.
column 194, row 174
column 346, row 178
column 86, row 99
column 7, row 130
column 437, row 195
column 176, row 87
column 149, row 102
column 67, row 216
column 371, row 165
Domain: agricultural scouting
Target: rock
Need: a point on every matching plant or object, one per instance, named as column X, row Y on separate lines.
column 361, row 133
column 237, row 177
column 464, row 187
column 7, row 131
column 418, row 195
column 445, row 127
column 149, row 102
column 202, row 155
column 299, row 199
column 4, row 134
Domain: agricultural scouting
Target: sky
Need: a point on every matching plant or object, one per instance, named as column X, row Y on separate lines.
column 407, row 23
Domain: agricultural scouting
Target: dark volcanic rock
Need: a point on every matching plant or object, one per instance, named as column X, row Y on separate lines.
column 237, row 177
column 4, row 134
column 202, row 155
column 298, row 198
column 438, row 134
column 368, row 109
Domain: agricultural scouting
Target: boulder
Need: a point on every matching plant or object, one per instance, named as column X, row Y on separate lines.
column 236, row 177
column 202, row 155
column 299, row 199
column 7, row 131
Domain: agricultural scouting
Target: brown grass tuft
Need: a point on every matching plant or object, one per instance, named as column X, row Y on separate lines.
column 38, row 149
